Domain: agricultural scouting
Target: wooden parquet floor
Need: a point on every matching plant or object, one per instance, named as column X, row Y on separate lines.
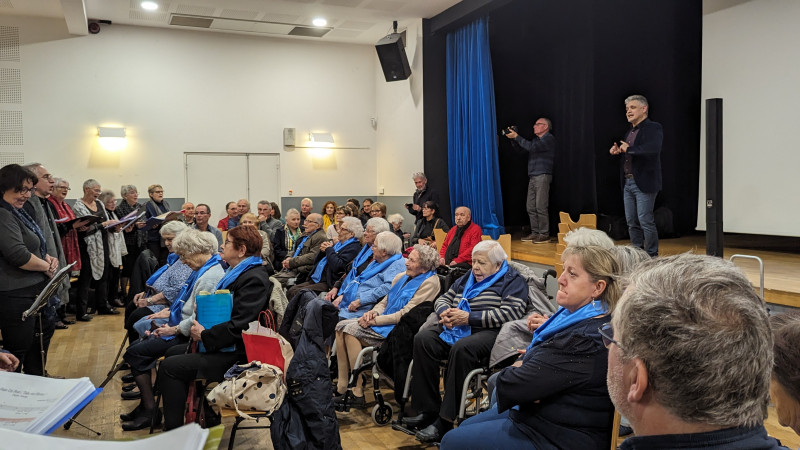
column 88, row 349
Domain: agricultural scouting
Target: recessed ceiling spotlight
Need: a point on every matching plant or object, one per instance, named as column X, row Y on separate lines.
column 319, row 22
column 149, row 5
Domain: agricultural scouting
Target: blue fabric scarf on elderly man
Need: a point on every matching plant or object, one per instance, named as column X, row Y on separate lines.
column 317, row 275
column 471, row 290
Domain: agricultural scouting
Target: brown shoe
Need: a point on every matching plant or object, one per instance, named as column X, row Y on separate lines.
column 530, row 238
column 542, row 239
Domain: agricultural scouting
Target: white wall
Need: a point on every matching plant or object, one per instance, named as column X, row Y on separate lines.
column 752, row 61
column 182, row 91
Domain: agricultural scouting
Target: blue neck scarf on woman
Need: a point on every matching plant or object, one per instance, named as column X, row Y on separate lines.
column 301, row 243
column 350, row 291
column 233, row 273
column 563, row 318
column 364, row 254
column 176, row 308
column 399, row 296
column 29, row 223
column 317, row 275
column 171, row 258
column 471, row 290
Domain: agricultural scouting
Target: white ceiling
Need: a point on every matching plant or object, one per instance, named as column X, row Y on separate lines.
column 355, row 21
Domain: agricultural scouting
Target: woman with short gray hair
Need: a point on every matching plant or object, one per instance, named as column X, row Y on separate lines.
column 198, row 251
column 135, row 237
column 370, row 325
column 116, row 249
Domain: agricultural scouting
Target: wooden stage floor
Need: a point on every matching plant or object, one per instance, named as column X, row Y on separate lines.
column 781, row 268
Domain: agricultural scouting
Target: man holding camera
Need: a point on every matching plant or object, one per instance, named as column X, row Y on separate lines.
column 541, row 154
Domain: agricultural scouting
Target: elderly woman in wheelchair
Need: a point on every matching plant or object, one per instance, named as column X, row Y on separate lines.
column 416, row 285
column 470, row 315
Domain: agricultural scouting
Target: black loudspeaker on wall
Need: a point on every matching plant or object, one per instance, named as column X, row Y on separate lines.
column 714, row 177
column 392, row 54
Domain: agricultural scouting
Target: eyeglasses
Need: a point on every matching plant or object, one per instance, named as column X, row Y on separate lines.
column 24, row 190
column 63, row 187
column 539, row 124
column 606, row 332
column 158, row 192
column 228, row 241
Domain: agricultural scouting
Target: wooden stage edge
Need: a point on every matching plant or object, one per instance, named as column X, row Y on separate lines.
column 781, row 269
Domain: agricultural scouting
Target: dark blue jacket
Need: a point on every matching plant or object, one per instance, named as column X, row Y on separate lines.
column 541, row 153
column 646, row 157
column 739, row 438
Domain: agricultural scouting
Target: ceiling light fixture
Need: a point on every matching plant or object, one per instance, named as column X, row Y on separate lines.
column 149, row 5
column 319, row 22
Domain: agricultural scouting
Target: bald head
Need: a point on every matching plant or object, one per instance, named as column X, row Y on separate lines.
column 463, row 216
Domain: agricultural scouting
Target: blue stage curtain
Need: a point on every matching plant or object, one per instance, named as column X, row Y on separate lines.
column 474, row 170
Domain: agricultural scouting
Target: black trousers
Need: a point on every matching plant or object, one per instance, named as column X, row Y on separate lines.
column 467, row 354
column 179, row 369
column 21, row 337
column 85, row 281
column 310, row 285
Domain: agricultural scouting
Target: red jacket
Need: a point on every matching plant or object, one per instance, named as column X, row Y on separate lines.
column 471, row 236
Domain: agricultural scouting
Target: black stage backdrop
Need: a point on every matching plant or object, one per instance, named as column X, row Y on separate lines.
column 575, row 62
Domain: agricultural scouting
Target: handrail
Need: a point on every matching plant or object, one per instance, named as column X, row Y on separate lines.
column 760, row 264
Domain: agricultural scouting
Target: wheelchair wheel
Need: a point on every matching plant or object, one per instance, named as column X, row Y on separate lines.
column 382, row 414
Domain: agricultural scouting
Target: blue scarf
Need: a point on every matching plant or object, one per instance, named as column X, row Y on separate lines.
column 30, row 224
column 350, row 291
column 564, row 319
column 176, row 308
column 364, row 254
column 399, row 296
column 233, row 273
column 471, row 290
column 317, row 275
column 171, row 258
column 301, row 243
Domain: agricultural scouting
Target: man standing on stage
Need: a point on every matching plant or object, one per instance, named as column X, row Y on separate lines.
column 640, row 173
column 541, row 154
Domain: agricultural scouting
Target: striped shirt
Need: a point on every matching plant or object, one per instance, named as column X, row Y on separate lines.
column 501, row 302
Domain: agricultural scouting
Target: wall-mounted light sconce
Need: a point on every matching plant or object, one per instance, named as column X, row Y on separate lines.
column 112, row 138
column 318, row 138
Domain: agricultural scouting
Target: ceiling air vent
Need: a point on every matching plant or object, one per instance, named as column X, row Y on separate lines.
column 189, row 21
column 308, row 31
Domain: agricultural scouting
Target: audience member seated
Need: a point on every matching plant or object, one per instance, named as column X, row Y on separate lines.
column 331, row 231
column 276, row 211
column 418, row 284
column 396, row 220
column 785, row 384
column 243, row 206
column 470, row 314
column 266, row 221
column 328, row 214
column 250, row 219
column 690, row 356
column 249, row 284
column 156, row 206
column 163, row 287
column 332, row 259
column 286, row 237
column 188, row 213
column 377, row 209
column 555, row 395
column 202, row 213
column 232, row 218
column 8, row 362
column 457, row 246
column 360, row 293
column 198, row 251
column 431, row 219
column 300, row 261
column 362, row 260
column 366, row 210
column 25, row 268
column 306, row 207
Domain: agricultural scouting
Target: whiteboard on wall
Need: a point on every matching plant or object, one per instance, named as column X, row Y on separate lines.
column 752, row 61
column 218, row 178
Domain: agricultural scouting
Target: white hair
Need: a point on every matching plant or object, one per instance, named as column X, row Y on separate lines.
column 493, row 250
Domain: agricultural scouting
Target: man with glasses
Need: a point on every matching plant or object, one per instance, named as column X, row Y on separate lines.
column 300, row 262
column 202, row 213
column 690, row 356
column 541, row 150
